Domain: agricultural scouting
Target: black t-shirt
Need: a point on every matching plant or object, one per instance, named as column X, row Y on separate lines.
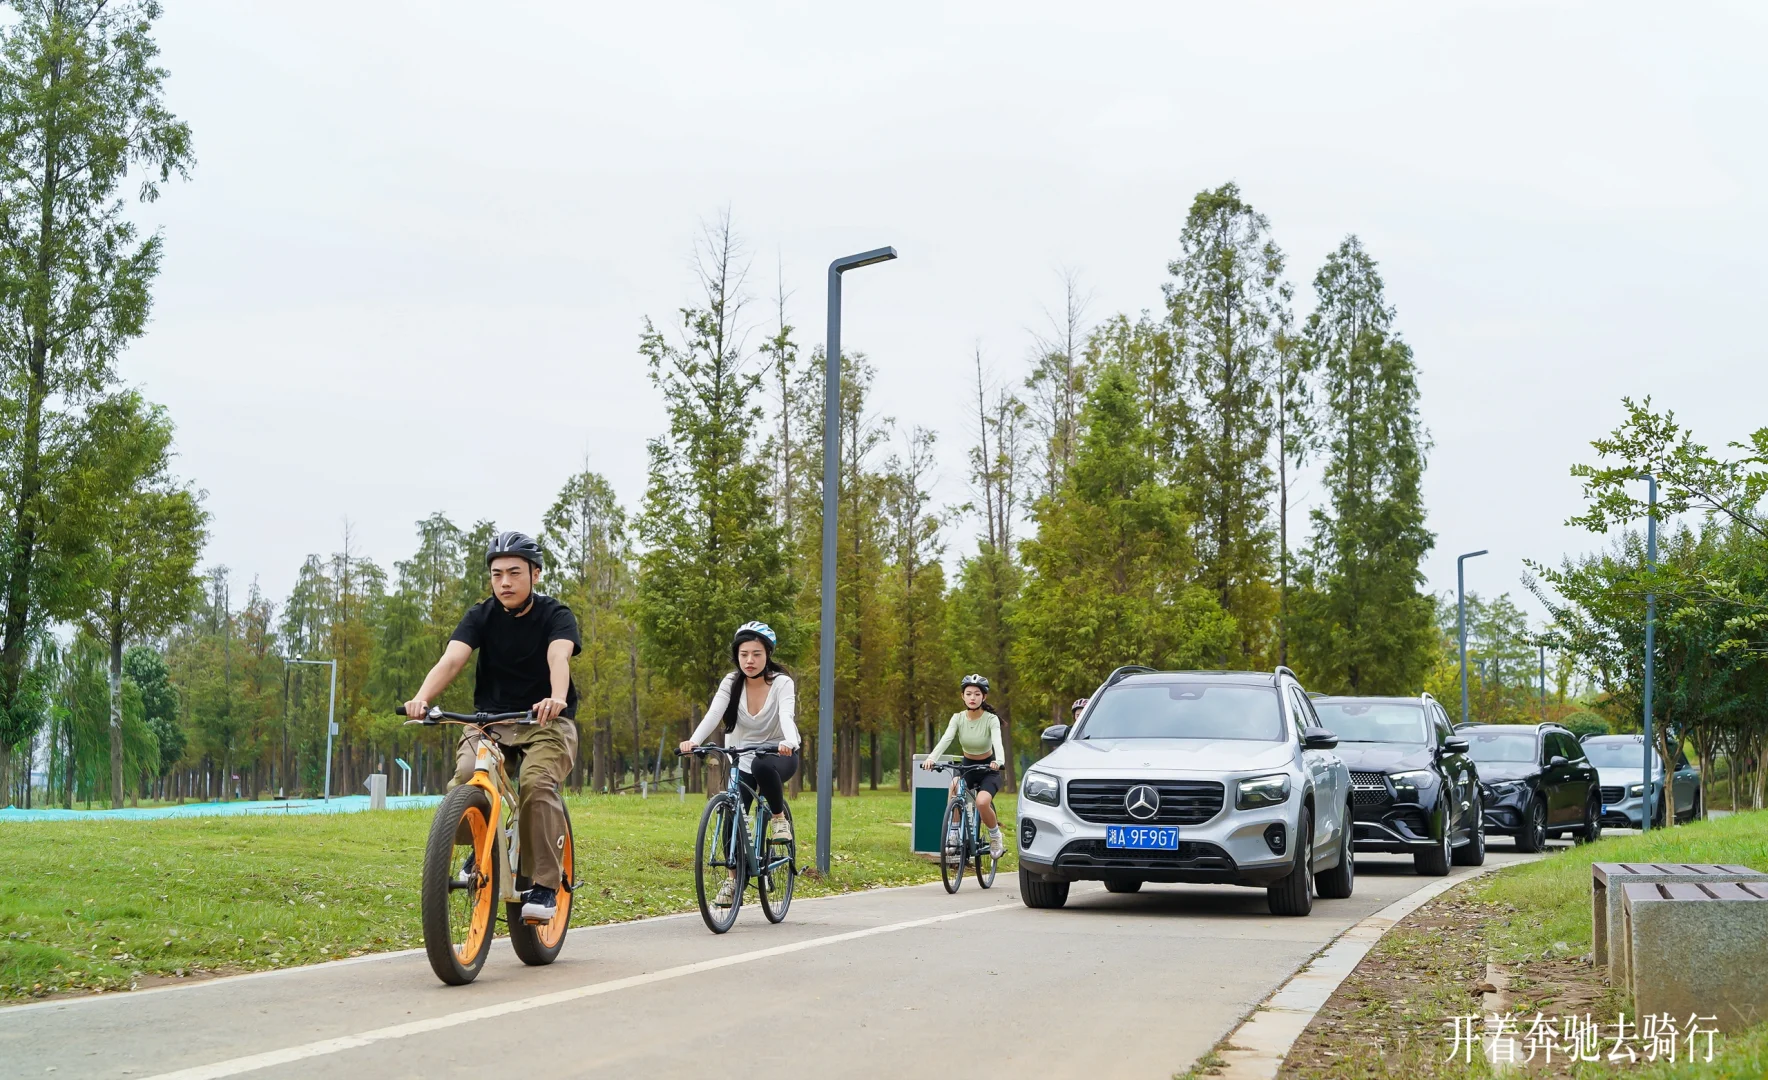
column 512, row 671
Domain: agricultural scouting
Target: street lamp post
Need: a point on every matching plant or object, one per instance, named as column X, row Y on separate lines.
column 331, row 712
column 825, row 725
column 1645, row 810
column 1461, row 621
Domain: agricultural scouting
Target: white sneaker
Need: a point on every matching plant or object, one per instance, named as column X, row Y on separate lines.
column 780, row 829
column 996, row 846
column 726, row 893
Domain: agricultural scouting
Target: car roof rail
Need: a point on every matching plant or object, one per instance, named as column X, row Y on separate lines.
column 1282, row 670
column 1426, row 696
column 1128, row 669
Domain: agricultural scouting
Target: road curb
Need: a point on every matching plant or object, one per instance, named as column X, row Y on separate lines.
column 1257, row 1048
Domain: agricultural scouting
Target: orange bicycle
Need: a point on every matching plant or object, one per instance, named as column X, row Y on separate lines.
column 475, row 830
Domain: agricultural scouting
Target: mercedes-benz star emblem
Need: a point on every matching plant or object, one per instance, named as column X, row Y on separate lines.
column 1142, row 802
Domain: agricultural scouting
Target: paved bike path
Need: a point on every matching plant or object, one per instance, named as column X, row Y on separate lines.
column 1110, row 986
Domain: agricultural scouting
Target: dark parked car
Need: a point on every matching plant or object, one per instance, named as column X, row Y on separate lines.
column 1536, row 782
column 1413, row 789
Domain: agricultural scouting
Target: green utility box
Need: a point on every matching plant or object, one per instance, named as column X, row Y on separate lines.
column 931, row 790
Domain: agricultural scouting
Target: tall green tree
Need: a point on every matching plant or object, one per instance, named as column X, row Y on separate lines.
column 915, row 591
column 81, row 111
column 1227, row 300
column 1362, row 625
column 1112, row 564
column 584, row 534
column 712, row 549
column 144, row 666
column 146, row 535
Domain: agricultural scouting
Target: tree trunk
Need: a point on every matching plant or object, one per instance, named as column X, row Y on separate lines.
column 598, row 770
column 905, row 754
column 116, row 711
column 873, row 738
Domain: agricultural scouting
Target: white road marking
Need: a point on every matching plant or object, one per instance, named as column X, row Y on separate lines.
column 253, row 1062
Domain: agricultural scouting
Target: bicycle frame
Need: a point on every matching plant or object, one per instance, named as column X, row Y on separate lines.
column 490, row 776
column 734, row 786
column 972, row 818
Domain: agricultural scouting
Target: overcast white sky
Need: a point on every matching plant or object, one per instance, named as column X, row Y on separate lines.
column 410, row 269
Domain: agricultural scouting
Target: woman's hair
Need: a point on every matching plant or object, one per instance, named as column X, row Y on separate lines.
column 772, row 671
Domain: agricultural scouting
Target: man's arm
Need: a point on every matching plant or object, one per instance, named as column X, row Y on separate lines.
column 454, row 658
column 558, row 666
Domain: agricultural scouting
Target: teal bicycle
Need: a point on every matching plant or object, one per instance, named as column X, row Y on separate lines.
column 961, row 830
column 729, row 847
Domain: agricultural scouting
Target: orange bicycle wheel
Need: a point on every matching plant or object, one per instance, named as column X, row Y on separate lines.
column 540, row 944
column 458, row 906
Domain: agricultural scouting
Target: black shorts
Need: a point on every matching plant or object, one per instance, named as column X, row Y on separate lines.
column 983, row 778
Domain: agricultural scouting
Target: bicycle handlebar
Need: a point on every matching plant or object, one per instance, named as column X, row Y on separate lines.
column 732, row 751
column 958, row 766
column 436, row 716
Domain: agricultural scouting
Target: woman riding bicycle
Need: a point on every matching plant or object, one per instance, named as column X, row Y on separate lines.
column 757, row 704
column 978, row 731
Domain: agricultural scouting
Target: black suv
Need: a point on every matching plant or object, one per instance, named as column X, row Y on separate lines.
column 1536, row 781
column 1413, row 790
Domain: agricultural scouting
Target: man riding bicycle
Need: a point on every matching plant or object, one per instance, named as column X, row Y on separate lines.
column 525, row 643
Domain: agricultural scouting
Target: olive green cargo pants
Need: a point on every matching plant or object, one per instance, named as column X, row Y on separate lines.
column 538, row 758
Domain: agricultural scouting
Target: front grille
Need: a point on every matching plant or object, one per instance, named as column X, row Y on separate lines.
column 1369, row 789
column 1182, row 802
column 1191, row 855
column 1613, row 794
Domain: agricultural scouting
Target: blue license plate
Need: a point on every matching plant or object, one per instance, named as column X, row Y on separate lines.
column 1157, row 837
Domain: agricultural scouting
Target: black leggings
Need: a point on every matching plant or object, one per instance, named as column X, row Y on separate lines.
column 768, row 774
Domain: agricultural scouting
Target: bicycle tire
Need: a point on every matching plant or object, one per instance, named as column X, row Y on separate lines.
column 723, row 818
column 776, row 901
column 459, row 922
column 985, row 861
column 952, row 840
column 539, row 945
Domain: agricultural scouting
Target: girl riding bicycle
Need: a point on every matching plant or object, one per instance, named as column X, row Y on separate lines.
column 757, row 704
column 978, row 731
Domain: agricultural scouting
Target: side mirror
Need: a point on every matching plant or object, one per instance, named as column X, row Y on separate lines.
column 1455, row 745
column 1053, row 736
column 1318, row 738
column 1556, row 761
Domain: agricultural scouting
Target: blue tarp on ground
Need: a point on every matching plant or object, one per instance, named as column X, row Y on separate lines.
column 343, row 804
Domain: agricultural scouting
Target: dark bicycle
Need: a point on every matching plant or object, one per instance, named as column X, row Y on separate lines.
column 961, row 830
column 728, row 847
column 477, row 826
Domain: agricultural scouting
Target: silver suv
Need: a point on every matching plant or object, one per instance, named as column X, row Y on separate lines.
column 1207, row 777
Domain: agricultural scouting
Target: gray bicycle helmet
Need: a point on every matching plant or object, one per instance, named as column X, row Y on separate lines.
column 978, row 681
column 521, row 545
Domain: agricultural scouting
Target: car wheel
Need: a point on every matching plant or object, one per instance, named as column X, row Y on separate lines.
column 1533, row 836
column 1294, row 895
column 1337, row 883
column 1036, row 893
column 1124, row 885
column 1473, row 853
column 1592, row 830
column 1435, row 862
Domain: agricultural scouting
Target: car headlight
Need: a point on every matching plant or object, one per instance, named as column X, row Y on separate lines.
column 1636, row 790
column 1508, row 787
column 1257, row 791
column 1412, row 781
column 1042, row 788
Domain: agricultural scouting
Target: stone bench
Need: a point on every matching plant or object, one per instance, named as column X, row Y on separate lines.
column 1697, row 949
column 1605, row 901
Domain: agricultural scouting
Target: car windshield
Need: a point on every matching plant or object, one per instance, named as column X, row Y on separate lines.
column 1516, row 746
column 1375, row 721
column 1185, row 709
column 1619, row 755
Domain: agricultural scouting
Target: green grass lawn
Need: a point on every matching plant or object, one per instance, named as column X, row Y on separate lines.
column 103, row 905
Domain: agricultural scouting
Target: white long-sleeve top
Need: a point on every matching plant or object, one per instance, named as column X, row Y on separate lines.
column 776, row 723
